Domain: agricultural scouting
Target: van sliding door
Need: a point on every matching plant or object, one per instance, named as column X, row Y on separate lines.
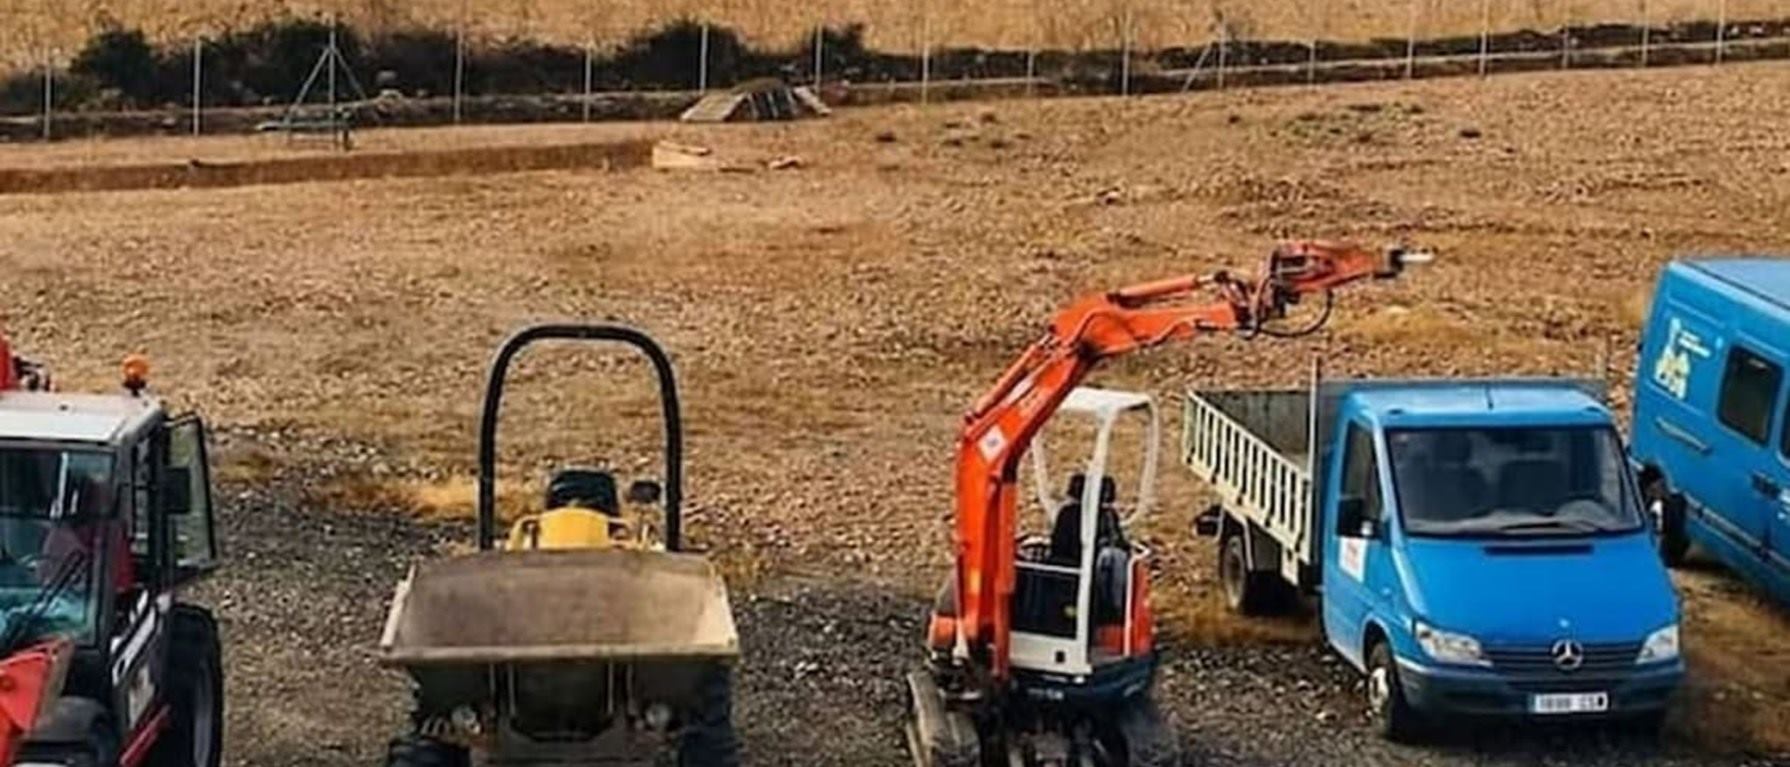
column 1746, row 406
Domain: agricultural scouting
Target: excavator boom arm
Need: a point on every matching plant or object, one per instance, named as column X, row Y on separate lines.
column 1002, row 423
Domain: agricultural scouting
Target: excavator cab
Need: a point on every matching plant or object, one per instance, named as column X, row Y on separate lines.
column 1080, row 606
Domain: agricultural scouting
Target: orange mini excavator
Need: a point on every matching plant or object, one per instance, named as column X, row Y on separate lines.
column 1041, row 650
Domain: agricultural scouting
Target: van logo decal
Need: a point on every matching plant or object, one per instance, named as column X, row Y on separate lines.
column 1568, row 655
column 1672, row 371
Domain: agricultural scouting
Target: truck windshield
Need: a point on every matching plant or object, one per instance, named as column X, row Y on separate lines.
column 56, row 507
column 1511, row 482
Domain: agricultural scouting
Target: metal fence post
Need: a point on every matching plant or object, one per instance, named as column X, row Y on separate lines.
column 198, row 83
column 49, row 93
column 1311, row 63
column 820, row 45
column 1566, row 37
column 1485, row 37
column 460, row 60
column 1224, row 45
column 1125, row 52
column 1411, row 43
column 589, row 75
column 702, row 61
column 1646, row 33
column 925, row 52
column 1721, row 29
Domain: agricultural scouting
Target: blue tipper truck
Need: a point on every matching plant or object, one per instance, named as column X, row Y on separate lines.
column 1711, row 430
column 1478, row 547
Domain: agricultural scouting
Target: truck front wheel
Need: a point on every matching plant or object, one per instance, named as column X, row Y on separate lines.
column 1245, row 592
column 1667, row 510
column 1392, row 715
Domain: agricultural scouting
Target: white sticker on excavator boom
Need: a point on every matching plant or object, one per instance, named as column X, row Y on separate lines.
column 992, row 443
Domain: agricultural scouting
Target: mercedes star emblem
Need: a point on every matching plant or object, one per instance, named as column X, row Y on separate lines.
column 1568, row 655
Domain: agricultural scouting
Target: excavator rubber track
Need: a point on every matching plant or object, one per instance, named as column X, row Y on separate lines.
column 936, row 735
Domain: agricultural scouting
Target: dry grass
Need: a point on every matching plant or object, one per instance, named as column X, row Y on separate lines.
column 27, row 27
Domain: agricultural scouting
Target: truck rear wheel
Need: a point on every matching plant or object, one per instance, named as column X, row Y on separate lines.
column 1246, row 592
column 1667, row 510
column 1392, row 715
column 194, row 737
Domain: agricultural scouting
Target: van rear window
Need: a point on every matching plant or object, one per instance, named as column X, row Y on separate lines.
column 1749, row 392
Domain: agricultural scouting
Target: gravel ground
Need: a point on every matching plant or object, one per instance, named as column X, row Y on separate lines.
column 303, row 599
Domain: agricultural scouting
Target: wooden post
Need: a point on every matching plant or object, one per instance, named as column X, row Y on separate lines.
column 1646, row 34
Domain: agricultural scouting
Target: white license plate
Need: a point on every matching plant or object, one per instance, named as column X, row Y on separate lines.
column 1570, row 703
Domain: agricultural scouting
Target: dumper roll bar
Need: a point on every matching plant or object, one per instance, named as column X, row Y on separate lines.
column 674, row 430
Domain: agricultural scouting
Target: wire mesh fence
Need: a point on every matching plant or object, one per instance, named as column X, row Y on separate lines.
column 189, row 56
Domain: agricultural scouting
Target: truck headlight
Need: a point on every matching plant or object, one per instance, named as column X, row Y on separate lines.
column 1661, row 646
column 1449, row 647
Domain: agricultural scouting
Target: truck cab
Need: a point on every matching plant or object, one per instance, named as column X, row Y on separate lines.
column 1711, row 438
column 1478, row 548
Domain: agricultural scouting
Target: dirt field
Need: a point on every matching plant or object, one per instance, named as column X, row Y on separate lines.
column 1009, row 24
column 830, row 324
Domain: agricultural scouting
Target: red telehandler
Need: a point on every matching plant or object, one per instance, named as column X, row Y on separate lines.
column 1041, row 649
column 105, row 517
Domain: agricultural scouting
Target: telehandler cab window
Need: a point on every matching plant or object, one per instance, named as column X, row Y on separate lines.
column 1749, row 390
column 56, row 509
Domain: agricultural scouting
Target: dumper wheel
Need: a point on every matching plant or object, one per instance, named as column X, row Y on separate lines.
column 420, row 751
column 195, row 692
column 1148, row 738
column 708, row 739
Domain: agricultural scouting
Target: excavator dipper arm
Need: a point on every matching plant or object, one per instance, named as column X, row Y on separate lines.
column 1002, row 423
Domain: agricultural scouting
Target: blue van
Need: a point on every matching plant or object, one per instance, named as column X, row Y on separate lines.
column 1711, row 443
column 1477, row 547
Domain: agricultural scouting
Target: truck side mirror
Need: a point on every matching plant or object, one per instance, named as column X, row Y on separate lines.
column 1352, row 521
column 177, row 491
column 644, row 492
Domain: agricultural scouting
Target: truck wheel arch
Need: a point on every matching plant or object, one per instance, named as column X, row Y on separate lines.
column 1372, row 634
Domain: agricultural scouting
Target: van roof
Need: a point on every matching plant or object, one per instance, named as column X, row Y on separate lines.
column 1483, row 404
column 1765, row 278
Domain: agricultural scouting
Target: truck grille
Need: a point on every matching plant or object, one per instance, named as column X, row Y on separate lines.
column 1538, row 660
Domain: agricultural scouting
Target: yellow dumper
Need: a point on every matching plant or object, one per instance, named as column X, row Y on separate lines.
column 583, row 640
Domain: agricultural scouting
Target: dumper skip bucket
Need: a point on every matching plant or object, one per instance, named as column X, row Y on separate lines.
column 548, row 606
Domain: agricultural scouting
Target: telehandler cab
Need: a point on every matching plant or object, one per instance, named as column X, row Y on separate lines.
column 105, row 517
